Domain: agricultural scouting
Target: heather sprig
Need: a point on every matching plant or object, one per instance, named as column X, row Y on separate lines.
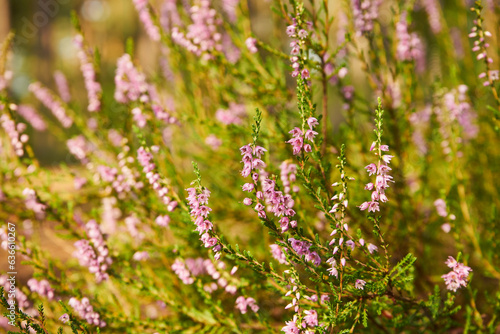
column 290, row 252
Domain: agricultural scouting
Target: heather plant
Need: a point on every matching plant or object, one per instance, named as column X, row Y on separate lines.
column 338, row 174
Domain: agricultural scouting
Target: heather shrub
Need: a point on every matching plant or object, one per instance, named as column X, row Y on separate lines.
column 303, row 167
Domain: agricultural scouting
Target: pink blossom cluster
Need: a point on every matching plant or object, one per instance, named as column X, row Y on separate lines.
column 145, row 159
column 288, row 175
column 94, row 90
column 233, row 115
column 182, row 272
column 62, row 86
column 79, row 147
column 278, row 254
column 199, row 212
column 409, row 47
column 110, row 215
column 251, row 44
column 31, row 116
column 242, row 304
column 140, row 256
column 5, row 79
column 364, row 13
column 458, row 276
column 201, row 37
column 298, row 40
column 481, row 46
column 302, row 248
column 42, row 287
column 14, row 132
column 299, row 137
column 251, row 161
column 432, row 7
column 95, row 256
column 291, row 326
column 51, row 102
column 129, row 81
column 139, row 118
column 32, row 203
column 145, row 16
column 381, row 181
column 86, row 311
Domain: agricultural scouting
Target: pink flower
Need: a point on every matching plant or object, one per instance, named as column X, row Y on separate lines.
column 371, row 169
column 360, row 284
column 312, row 122
column 251, row 44
column 311, row 318
column 458, row 276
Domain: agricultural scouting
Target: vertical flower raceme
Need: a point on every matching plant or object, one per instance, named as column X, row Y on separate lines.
column 198, row 200
column 145, row 159
column 51, row 102
column 381, row 169
column 458, row 276
column 93, row 87
column 300, row 137
column 481, row 46
column 298, row 44
column 409, row 47
column 145, row 16
column 94, row 253
column 432, row 7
